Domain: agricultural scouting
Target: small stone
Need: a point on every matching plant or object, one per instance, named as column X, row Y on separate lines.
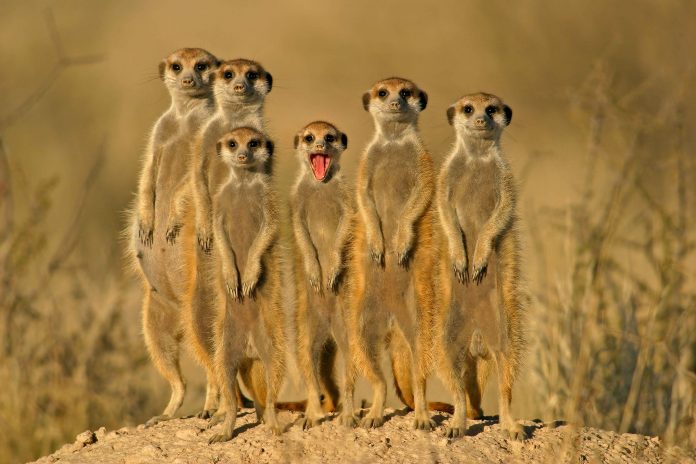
column 123, row 431
column 101, row 433
column 86, row 438
column 151, row 450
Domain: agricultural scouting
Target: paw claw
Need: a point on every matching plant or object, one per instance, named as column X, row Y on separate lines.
column 480, row 273
column 348, row 420
column 220, row 438
column 455, row 432
column 372, row 422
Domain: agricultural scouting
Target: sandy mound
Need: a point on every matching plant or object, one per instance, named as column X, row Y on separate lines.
column 186, row 441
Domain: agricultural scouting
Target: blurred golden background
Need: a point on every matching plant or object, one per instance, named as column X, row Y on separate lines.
column 601, row 144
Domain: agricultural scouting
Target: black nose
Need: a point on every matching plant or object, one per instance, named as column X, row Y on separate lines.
column 188, row 81
column 239, row 88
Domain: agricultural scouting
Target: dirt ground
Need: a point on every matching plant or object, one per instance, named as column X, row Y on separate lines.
column 186, row 441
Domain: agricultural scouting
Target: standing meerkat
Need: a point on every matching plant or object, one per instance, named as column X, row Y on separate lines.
column 482, row 300
column 165, row 268
column 322, row 214
column 249, row 333
column 240, row 87
column 392, row 252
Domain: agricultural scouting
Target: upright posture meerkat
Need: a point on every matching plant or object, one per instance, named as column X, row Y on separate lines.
column 322, row 214
column 482, row 316
column 392, row 252
column 165, row 268
column 249, row 334
column 240, row 87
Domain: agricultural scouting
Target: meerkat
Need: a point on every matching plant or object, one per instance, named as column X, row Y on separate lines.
column 240, row 87
column 165, row 268
column 392, row 259
column 249, row 333
column 482, row 298
column 322, row 216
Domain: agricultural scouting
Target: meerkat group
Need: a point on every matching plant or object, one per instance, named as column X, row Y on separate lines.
column 424, row 265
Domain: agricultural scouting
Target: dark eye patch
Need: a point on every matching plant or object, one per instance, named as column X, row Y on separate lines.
column 232, row 143
column 201, row 66
column 228, row 75
column 309, row 138
column 491, row 110
column 176, row 67
column 253, row 143
column 468, row 109
column 382, row 93
column 329, row 138
column 405, row 93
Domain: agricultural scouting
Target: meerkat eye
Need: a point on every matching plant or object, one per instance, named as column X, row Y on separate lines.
column 382, row 93
column 253, row 143
column 405, row 93
column 228, row 75
column 468, row 109
column 201, row 66
column 176, row 67
column 252, row 75
column 329, row 138
column 232, row 144
column 309, row 138
column 491, row 110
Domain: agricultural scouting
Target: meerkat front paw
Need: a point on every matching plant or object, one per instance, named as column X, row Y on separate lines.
column 205, row 237
column 173, row 230
column 146, row 230
column 460, row 266
column 348, row 419
column 403, row 243
column 480, row 265
column 251, row 279
column 314, row 276
column 375, row 246
column 334, row 275
column 231, row 280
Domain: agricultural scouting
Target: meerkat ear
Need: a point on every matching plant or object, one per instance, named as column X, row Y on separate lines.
column 296, row 141
column 450, row 115
column 344, row 140
column 508, row 114
column 162, row 66
column 269, row 80
column 423, row 97
column 269, row 147
column 218, row 148
column 366, row 101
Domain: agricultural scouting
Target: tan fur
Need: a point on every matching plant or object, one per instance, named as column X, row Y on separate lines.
column 392, row 255
column 249, row 333
column 239, row 102
column 482, row 302
column 165, row 266
column 322, row 217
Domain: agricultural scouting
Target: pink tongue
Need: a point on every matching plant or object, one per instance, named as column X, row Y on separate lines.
column 319, row 164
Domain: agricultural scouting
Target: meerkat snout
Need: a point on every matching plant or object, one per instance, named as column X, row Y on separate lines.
column 319, row 146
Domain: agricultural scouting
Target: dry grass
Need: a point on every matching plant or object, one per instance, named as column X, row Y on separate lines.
column 603, row 99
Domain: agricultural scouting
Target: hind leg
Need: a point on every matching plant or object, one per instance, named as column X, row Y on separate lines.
column 452, row 373
column 163, row 335
column 228, row 358
column 269, row 339
column 367, row 353
column 347, row 416
column 311, row 336
column 514, row 430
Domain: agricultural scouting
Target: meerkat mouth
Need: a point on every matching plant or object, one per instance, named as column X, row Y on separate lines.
column 320, row 163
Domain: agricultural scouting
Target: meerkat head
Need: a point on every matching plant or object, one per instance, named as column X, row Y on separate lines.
column 242, row 81
column 395, row 99
column 245, row 148
column 479, row 115
column 319, row 146
column 188, row 72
